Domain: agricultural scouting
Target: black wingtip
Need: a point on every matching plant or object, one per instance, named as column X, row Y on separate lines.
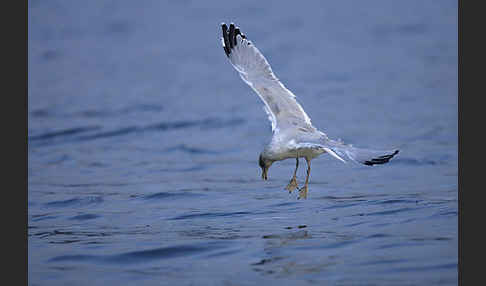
column 232, row 38
column 227, row 46
column 380, row 160
column 226, row 51
column 229, row 37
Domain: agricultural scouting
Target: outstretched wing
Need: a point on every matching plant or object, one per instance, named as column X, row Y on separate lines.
column 280, row 104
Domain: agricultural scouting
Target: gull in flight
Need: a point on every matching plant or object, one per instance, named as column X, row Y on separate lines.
column 293, row 134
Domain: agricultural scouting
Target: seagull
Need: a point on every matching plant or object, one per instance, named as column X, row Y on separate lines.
column 294, row 136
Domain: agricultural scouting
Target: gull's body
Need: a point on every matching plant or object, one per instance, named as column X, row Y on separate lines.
column 294, row 136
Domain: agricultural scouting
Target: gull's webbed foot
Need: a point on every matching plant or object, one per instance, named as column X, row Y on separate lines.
column 292, row 185
column 303, row 192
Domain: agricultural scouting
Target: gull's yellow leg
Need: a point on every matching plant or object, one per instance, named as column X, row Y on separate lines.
column 293, row 182
column 304, row 189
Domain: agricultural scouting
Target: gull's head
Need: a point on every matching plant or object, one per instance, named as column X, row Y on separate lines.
column 265, row 165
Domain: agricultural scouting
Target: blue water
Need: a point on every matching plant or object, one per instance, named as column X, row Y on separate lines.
column 144, row 142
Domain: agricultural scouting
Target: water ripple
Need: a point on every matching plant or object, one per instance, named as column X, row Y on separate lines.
column 386, row 212
column 121, row 131
column 63, row 133
column 84, row 217
column 426, row 268
column 416, row 162
column 69, row 135
column 191, row 150
column 166, row 195
column 209, row 215
column 75, row 202
column 145, row 255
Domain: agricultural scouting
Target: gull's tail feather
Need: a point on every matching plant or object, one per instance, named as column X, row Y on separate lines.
column 361, row 155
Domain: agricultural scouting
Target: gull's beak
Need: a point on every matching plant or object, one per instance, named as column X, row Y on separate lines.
column 264, row 173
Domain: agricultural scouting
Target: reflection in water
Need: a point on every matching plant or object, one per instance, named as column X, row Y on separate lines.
column 275, row 260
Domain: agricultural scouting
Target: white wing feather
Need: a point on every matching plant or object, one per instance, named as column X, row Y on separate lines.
column 280, row 104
